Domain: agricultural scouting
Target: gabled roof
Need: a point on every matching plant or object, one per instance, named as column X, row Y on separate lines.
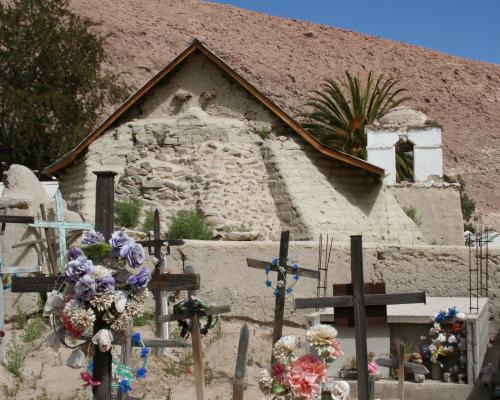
column 68, row 158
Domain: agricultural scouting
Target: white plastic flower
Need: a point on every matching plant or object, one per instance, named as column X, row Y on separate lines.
column 55, row 303
column 100, row 271
column 321, row 335
column 452, row 339
column 265, row 381
column 120, row 301
column 103, row 338
column 460, row 316
column 441, row 338
column 286, row 346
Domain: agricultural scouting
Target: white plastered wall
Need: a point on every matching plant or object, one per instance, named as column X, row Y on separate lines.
column 381, row 152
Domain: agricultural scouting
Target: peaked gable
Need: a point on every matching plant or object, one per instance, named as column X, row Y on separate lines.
column 196, row 46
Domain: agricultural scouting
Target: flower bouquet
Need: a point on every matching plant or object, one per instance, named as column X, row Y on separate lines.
column 300, row 378
column 98, row 301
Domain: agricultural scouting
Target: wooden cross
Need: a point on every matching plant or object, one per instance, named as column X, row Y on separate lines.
column 279, row 307
column 4, row 269
column 199, row 373
column 161, row 297
column 62, row 227
column 359, row 300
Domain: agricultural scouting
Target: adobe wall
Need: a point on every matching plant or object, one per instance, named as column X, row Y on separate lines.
column 438, row 270
column 194, row 142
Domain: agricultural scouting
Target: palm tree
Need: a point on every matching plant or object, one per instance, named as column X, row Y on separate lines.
column 341, row 110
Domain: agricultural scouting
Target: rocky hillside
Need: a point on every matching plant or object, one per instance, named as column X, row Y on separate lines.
column 288, row 58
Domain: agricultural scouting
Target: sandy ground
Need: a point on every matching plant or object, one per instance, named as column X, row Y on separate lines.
column 45, row 375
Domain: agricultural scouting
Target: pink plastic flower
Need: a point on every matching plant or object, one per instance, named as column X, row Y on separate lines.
column 372, row 367
column 305, row 377
column 88, row 379
column 337, row 351
column 278, row 372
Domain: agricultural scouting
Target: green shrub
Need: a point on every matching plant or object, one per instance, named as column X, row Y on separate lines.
column 236, row 228
column 144, row 319
column 149, row 222
column 127, row 212
column 97, row 251
column 264, row 133
column 21, row 318
column 34, row 330
column 16, row 355
column 411, row 212
column 190, row 224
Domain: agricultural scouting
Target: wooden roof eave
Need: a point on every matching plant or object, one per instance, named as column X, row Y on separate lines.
column 197, row 45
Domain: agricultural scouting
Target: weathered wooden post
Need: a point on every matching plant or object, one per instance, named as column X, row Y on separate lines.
column 199, row 373
column 241, row 363
column 279, row 308
column 104, row 223
column 105, row 202
column 401, row 372
column 161, row 298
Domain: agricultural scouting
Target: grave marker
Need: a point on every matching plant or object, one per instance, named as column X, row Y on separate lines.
column 279, row 307
column 359, row 300
column 241, row 364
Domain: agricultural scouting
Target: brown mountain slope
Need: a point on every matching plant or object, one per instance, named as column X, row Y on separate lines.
column 288, row 58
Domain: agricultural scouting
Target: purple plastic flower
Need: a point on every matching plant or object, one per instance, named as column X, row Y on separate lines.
column 133, row 253
column 85, row 288
column 140, row 281
column 74, row 253
column 105, row 284
column 117, row 241
column 92, row 237
column 78, row 268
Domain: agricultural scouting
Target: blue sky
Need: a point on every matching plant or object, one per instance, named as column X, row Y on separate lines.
column 463, row 28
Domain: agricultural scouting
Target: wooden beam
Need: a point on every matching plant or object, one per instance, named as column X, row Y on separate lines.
column 360, row 326
column 401, row 372
column 16, row 219
column 370, row 300
column 157, row 343
column 180, row 316
column 410, row 366
column 279, row 305
column 308, row 273
column 241, row 364
column 168, row 282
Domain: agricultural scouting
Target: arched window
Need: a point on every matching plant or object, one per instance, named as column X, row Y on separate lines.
column 404, row 161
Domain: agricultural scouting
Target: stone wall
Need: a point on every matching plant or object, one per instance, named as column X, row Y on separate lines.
column 199, row 140
column 225, row 278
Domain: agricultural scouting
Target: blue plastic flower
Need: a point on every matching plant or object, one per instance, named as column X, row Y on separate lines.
column 269, row 283
column 295, row 277
column 452, row 311
column 277, row 292
column 136, row 338
column 276, row 262
column 441, row 316
column 295, row 266
column 124, row 386
column 90, row 366
column 289, row 290
column 268, row 269
column 140, row 373
column 145, row 352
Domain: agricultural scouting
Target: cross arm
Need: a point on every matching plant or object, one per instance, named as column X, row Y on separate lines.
column 16, row 219
column 307, row 273
column 370, row 300
column 393, row 363
column 167, row 282
column 211, row 311
column 64, row 225
column 161, row 242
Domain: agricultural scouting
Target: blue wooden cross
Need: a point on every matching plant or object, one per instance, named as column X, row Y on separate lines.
column 62, row 227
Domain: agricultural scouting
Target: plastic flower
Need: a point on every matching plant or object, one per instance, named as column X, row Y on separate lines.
column 140, row 280
column 461, row 316
column 145, row 352
column 323, row 339
column 140, row 373
column 372, row 367
column 278, row 372
column 117, row 241
column 124, row 385
column 457, row 327
column 78, row 268
column 289, row 290
column 452, row 312
column 89, row 381
column 305, row 377
column 105, row 284
column 102, row 302
column 277, row 292
column 74, row 253
column 100, row 271
column 285, row 347
column 441, row 316
column 103, row 338
column 92, row 237
column 269, row 283
column 276, row 262
column 133, row 253
column 85, row 288
column 265, row 381
column 83, row 320
column 136, row 338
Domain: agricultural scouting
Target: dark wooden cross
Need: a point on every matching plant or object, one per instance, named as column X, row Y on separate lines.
column 283, row 269
column 359, row 301
column 241, row 364
column 154, row 246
